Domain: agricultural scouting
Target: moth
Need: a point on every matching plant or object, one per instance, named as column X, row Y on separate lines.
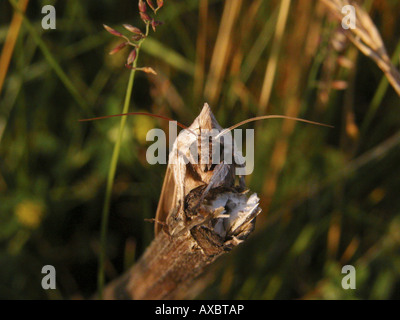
column 200, row 191
column 185, row 174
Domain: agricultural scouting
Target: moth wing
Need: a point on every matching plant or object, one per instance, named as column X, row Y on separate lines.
column 167, row 200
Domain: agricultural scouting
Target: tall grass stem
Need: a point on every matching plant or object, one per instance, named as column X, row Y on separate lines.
column 111, row 175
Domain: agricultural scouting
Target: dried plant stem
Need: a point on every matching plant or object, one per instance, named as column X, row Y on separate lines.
column 165, row 271
column 11, row 39
column 379, row 94
column 221, row 50
column 296, row 38
column 383, row 62
column 273, row 60
column 111, row 174
column 201, row 47
column 367, row 39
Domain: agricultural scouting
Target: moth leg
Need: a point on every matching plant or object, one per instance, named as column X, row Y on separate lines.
column 173, row 221
column 217, row 180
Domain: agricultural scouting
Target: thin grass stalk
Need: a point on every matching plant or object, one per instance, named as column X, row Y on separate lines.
column 11, row 38
column 201, row 47
column 292, row 91
column 367, row 39
column 379, row 94
column 111, row 174
column 221, row 50
column 110, row 182
column 252, row 55
column 270, row 71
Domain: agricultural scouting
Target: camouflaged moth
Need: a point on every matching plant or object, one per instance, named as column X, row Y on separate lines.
column 204, row 183
column 188, row 170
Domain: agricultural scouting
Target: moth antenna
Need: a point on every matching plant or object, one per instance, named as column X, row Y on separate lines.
column 138, row 114
column 270, row 117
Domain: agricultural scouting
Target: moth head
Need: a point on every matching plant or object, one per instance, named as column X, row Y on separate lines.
column 206, row 119
column 207, row 128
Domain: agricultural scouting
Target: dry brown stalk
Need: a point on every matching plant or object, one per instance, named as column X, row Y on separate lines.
column 367, row 39
column 272, row 65
column 222, row 49
column 171, row 263
column 11, row 39
column 292, row 97
column 201, row 50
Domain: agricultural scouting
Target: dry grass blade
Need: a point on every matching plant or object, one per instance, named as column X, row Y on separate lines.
column 367, row 39
column 273, row 60
column 201, row 47
column 11, row 39
column 221, row 50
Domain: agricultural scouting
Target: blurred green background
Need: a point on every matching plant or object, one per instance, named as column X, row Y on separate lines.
column 330, row 197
